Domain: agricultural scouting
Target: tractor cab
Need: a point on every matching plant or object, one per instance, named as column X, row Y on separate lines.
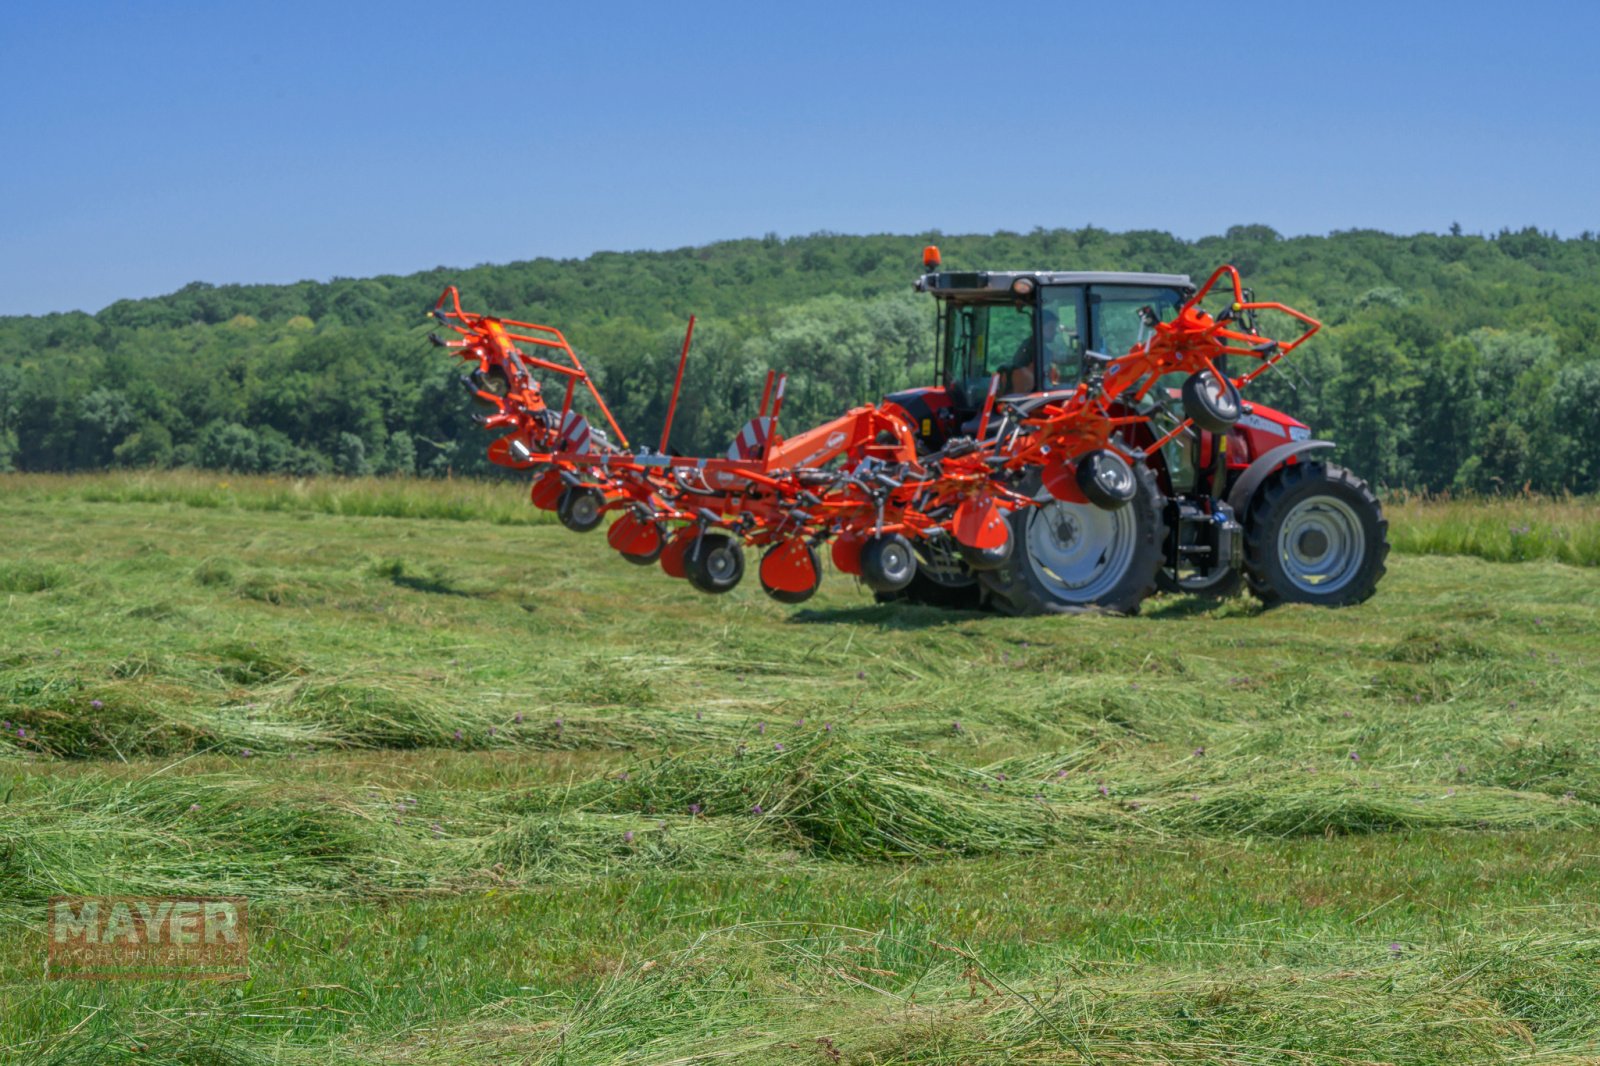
column 1033, row 327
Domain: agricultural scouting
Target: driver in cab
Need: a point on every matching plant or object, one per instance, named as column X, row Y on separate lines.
column 1059, row 349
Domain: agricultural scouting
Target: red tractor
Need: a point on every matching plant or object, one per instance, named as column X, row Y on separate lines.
column 1042, row 475
column 1239, row 496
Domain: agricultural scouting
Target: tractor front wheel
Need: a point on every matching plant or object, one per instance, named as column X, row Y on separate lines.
column 1314, row 533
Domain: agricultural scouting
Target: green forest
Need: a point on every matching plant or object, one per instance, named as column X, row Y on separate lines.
column 1450, row 362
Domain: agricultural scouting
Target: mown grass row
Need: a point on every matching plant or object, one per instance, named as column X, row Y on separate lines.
column 826, row 797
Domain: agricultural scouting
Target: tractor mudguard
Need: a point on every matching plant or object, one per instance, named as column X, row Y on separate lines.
column 1256, row 472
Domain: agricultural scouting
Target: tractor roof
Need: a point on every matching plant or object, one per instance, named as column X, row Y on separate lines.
column 999, row 281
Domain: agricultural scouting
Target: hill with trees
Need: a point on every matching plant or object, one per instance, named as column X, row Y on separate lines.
column 1450, row 362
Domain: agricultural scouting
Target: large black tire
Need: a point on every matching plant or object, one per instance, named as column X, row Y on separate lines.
column 1071, row 558
column 1314, row 533
column 714, row 563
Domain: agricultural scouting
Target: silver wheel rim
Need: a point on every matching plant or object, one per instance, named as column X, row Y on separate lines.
column 1079, row 551
column 584, row 509
column 719, row 564
column 1320, row 545
column 895, row 560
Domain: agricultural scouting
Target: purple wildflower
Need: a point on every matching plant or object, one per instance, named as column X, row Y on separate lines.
column 1104, row 791
column 518, row 718
column 694, row 808
column 1200, row 752
column 194, row 807
column 778, row 746
column 999, row 777
column 827, row 727
column 437, row 829
column 458, row 734
column 755, row 808
column 1354, row 757
column 955, row 727
column 622, row 776
column 1061, row 773
column 491, row 731
column 627, row 837
column 1395, row 948
column 96, row 704
column 861, row 675
column 246, row 752
column 697, row 716
column 801, row 724
column 21, row 732
column 761, row 727
column 561, row 723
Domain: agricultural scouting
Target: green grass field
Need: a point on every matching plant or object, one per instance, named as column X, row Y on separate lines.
column 497, row 796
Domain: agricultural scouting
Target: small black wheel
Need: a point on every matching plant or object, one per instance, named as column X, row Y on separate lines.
column 714, row 563
column 1209, row 404
column 1106, row 478
column 888, row 563
column 785, row 596
column 580, row 508
column 985, row 558
column 1314, row 533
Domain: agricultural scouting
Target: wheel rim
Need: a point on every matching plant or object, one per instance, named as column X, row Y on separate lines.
column 1320, row 545
column 1080, row 552
column 720, row 564
column 895, row 560
column 584, row 509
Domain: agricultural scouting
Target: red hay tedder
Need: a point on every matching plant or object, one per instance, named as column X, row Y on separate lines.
column 1124, row 472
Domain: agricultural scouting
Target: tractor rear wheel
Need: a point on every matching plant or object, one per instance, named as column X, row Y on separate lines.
column 1314, row 533
column 1077, row 557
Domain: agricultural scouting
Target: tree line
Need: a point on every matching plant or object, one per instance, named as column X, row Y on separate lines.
column 1450, row 361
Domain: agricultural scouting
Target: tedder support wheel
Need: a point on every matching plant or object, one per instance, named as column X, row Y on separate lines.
column 580, row 508
column 888, row 563
column 1314, row 533
column 715, row 563
column 1106, row 479
column 1211, row 405
column 1074, row 557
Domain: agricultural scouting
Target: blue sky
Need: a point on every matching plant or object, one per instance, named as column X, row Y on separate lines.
column 152, row 144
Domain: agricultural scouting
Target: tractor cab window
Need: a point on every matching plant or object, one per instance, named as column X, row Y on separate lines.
column 984, row 339
column 1115, row 312
column 1061, row 328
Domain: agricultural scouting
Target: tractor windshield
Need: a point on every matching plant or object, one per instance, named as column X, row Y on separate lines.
column 1114, row 309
